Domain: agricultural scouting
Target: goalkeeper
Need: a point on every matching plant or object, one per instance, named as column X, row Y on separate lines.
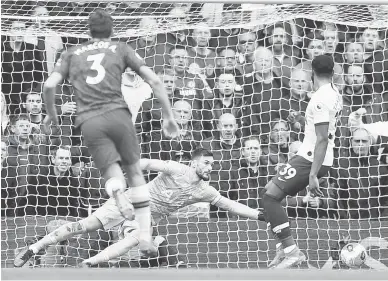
column 176, row 186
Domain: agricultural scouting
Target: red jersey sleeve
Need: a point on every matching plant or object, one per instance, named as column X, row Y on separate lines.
column 132, row 59
column 63, row 64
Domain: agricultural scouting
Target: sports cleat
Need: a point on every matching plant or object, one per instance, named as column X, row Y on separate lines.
column 124, row 204
column 23, row 257
column 295, row 258
column 278, row 257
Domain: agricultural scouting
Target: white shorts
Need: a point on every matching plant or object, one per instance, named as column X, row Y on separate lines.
column 109, row 215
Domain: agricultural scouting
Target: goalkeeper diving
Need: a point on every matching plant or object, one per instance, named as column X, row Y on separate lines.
column 176, row 186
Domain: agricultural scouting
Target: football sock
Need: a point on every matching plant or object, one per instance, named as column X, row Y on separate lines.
column 115, row 250
column 141, row 202
column 277, row 217
column 62, row 233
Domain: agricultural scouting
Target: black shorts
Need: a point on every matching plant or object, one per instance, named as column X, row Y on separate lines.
column 110, row 138
column 293, row 176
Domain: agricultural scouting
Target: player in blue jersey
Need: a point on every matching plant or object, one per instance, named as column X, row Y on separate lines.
column 175, row 187
column 95, row 70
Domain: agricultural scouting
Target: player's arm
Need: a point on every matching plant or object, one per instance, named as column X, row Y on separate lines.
column 238, row 208
column 321, row 122
column 212, row 196
column 161, row 166
column 57, row 76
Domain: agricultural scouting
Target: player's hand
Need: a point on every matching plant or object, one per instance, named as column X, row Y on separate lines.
column 170, row 128
column 48, row 121
column 69, row 107
column 294, row 116
column 355, row 117
column 313, row 187
column 314, row 202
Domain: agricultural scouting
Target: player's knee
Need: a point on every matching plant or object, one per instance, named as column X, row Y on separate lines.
column 113, row 184
column 76, row 228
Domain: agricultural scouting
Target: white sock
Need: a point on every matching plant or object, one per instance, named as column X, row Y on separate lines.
column 140, row 197
column 278, row 245
column 289, row 249
column 115, row 250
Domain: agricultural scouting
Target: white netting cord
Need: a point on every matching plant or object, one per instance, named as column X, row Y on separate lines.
column 232, row 242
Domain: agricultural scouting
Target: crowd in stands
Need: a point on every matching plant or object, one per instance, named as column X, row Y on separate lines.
column 241, row 93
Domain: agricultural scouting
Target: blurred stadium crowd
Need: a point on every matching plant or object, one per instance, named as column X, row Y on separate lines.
column 241, row 93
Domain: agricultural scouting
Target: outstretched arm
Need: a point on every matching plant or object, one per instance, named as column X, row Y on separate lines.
column 238, row 208
column 169, row 167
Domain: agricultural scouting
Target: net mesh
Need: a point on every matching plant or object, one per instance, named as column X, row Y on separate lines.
column 216, row 63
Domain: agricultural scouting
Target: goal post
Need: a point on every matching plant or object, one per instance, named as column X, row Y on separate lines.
column 217, row 36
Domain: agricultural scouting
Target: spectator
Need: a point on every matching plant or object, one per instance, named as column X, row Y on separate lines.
column 25, row 161
column 285, row 59
column 263, row 92
column 227, row 101
column 331, row 46
column 151, row 47
column 201, row 56
column 357, row 94
column 354, row 53
column 48, row 41
column 247, row 44
column 188, row 86
column 57, row 192
column 226, row 62
column 362, row 182
column 21, row 66
column 276, row 152
column 375, row 61
column 251, row 175
column 300, row 93
column 189, row 137
column 314, row 46
column 225, row 146
column 135, row 91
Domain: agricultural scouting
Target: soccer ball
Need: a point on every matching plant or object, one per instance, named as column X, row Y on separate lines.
column 353, row 255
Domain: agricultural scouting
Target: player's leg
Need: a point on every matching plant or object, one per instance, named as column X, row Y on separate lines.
column 291, row 178
column 127, row 145
column 128, row 238
column 60, row 234
column 140, row 200
column 99, row 138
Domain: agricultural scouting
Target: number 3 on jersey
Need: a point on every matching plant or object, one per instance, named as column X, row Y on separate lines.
column 96, row 59
column 287, row 172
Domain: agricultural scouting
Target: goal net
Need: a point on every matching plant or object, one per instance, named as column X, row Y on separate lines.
column 232, row 71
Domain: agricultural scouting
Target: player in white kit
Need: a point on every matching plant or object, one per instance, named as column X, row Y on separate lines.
column 313, row 160
column 176, row 186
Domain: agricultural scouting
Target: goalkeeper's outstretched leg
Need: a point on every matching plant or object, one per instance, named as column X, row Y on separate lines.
column 62, row 233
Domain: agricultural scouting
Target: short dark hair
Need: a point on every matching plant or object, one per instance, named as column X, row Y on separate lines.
column 250, row 138
column 100, row 24
column 200, row 151
column 177, row 47
column 18, row 117
column 54, row 149
column 323, row 65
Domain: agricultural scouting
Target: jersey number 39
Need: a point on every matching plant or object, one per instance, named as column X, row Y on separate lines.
column 287, row 172
column 96, row 59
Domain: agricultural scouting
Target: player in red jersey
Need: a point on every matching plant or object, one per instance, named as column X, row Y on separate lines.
column 95, row 71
